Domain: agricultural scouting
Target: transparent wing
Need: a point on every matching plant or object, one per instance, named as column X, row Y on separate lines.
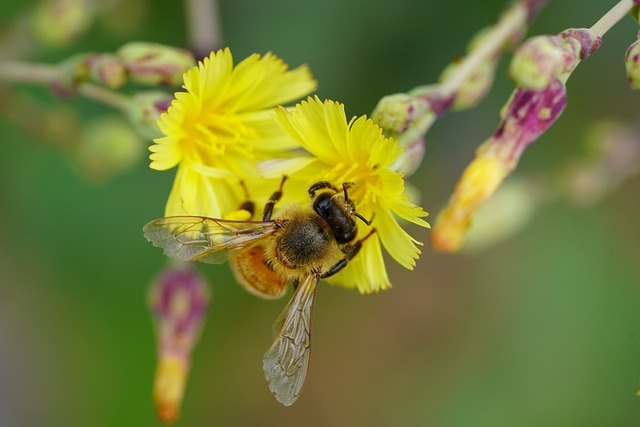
column 286, row 363
column 197, row 238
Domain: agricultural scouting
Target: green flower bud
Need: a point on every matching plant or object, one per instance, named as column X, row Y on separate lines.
column 57, row 23
column 107, row 70
column 538, row 62
column 394, row 113
column 155, row 64
column 108, row 146
column 473, row 90
column 632, row 64
column 144, row 111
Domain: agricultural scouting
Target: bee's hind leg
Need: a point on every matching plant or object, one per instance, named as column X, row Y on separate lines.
column 349, row 253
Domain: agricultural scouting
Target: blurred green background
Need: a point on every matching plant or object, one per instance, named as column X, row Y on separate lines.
column 540, row 330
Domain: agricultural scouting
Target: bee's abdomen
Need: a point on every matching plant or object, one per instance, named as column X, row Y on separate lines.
column 303, row 243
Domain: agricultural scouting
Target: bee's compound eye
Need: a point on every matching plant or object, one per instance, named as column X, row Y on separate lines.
column 322, row 206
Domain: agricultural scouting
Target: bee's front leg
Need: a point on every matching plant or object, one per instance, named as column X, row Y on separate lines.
column 349, row 253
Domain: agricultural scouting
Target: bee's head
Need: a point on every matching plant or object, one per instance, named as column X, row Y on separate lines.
column 338, row 210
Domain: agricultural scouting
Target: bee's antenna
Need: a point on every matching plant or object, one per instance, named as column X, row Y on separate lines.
column 346, row 185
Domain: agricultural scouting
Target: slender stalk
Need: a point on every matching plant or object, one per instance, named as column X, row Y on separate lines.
column 203, row 23
column 612, row 17
column 105, row 96
column 23, row 72
column 43, row 74
column 509, row 24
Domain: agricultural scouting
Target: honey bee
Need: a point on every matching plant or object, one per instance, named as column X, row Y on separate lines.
column 297, row 246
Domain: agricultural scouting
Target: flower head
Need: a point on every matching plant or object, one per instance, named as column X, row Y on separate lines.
column 356, row 152
column 217, row 130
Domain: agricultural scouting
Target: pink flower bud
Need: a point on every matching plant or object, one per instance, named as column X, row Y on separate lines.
column 179, row 299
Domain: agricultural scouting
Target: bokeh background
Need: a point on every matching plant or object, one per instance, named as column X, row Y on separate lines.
column 540, row 329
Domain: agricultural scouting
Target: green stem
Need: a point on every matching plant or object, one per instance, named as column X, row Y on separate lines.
column 43, row 74
column 203, row 24
column 509, row 24
column 612, row 17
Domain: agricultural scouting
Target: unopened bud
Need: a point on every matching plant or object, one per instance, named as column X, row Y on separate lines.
column 543, row 59
column 155, row 64
column 538, row 62
column 474, row 88
column 179, row 299
column 525, row 117
column 109, row 146
column 395, row 113
column 145, row 109
column 57, row 23
column 505, row 214
column 106, row 70
column 632, row 64
column 403, row 117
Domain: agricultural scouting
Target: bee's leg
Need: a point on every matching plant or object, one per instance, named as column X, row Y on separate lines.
column 268, row 208
column 319, row 186
column 349, row 253
column 248, row 206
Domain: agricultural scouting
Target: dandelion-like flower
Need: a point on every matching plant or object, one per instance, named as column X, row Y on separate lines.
column 355, row 152
column 217, row 130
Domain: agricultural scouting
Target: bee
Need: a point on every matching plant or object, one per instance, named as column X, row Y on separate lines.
column 295, row 245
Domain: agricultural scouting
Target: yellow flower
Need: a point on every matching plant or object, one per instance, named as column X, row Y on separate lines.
column 479, row 181
column 221, row 126
column 356, row 152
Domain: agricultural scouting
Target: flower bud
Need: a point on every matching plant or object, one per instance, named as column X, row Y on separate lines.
column 505, row 214
column 474, row 88
column 543, row 59
column 396, row 115
column 525, row 117
column 155, row 64
column 109, row 146
column 538, row 62
column 106, row 70
column 178, row 299
column 57, row 23
column 632, row 64
column 145, row 109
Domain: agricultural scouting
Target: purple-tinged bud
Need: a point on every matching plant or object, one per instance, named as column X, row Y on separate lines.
column 145, row 109
column 178, row 299
column 394, row 113
column 397, row 115
column 106, row 70
column 632, row 64
column 155, row 64
column 525, row 117
column 539, row 61
column 543, row 59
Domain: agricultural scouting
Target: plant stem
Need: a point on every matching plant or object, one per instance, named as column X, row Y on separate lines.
column 508, row 25
column 43, row 74
column 612, row 17
column 22, row 72
column 105, row 96
column 203, row 23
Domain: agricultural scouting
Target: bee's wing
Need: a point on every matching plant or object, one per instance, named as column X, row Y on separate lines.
column 285, row 364
column 197, row 238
